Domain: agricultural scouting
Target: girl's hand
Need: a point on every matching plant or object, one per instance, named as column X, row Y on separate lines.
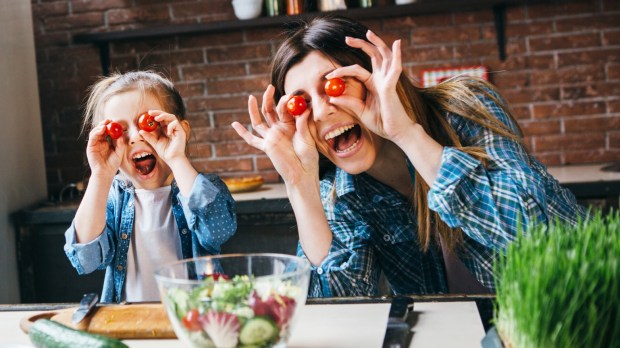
column 286, row 140
column 104, row 154
column 170, row 139
column 382, row 111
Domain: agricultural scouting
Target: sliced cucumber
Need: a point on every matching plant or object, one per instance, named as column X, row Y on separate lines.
column 258, row 331
column 180, row 300
column 45, row 333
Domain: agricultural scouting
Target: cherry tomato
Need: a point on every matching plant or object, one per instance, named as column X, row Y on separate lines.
column 334, row 87
column 147, row 122
column 296, row 105
column 114, row 130
column 191, row 320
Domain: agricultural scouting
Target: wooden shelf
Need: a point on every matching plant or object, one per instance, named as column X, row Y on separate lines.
column 102, row 39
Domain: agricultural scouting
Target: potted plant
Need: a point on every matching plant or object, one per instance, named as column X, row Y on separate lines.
column 559, row 286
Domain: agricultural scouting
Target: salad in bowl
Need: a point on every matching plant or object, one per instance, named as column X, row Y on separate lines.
column 234, row 300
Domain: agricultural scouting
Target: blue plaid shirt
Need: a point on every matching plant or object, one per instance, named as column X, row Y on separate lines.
column 375, row 227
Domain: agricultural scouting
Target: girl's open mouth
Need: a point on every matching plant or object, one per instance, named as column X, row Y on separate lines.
column 144, row 162
column 344, row 139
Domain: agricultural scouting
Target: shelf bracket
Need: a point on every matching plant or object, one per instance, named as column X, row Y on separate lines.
column 499, row 12
column 104, row 56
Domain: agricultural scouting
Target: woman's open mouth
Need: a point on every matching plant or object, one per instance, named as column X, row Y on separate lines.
column 344, row 139
column 144, row 162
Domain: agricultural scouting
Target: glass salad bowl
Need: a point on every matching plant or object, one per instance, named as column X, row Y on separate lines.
column 234, row 300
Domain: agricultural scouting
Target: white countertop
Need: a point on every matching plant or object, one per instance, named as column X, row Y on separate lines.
column 565, row 174
column 583, row 173
column 439, row 324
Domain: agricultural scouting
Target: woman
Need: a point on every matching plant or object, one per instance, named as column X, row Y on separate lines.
column 424, row 185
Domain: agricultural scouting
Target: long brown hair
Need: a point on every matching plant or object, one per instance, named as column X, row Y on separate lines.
column 426, row 106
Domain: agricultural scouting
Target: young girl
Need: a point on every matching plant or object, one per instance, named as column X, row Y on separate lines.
column 157, row 208
column 426, row 185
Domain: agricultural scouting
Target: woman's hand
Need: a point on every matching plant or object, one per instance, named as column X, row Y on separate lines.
column 170, row 139
column 382, row 111
column 286, row 140
column 104, row 154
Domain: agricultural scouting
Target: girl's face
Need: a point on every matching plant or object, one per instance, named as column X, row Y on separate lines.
column 141, row 164
column 339, row 135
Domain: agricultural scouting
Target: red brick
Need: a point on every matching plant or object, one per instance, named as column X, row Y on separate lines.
column 260, row 67
column 562, row 8
column 217, row 103
column 200, row 150
column 611, row 38
column 570, row 74
column 190, row 89
column 435, row 36
column 136, row 15
column 580, row 41
column 593, row 156
column 263, row 163
column 172, row 58
column 533, row 128
column 211, row 71
column 211, row 40
column 76, row 21
column 238, row 53
column 511, row 79
column 235, row 149
column 52, row 40
column 591, row 90
column 166, row 44
column 568, row 109
column 477, row 49
column 614, row 140
column 426, row 54
column 194, row 9
column 223, row 166
column 274, row 35
column 271, row 177
column 224, row 119
column 238, row 85
column 214, row 135
column 50, row 9
column 78, row 6
column 582, row 141
column 595, row 22
column 613, row 106
column 578, row 125
column 598, row 56
column 526, row 29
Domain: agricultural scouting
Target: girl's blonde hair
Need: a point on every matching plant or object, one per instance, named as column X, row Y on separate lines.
column 145, row 81
column 426, row 106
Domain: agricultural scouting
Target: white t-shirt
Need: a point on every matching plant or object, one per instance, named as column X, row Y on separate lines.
column 154, row 242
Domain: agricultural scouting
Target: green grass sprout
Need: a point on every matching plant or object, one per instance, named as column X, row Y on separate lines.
column 559, row 286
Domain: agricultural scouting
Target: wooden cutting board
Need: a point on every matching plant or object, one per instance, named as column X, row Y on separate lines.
column 119, row 321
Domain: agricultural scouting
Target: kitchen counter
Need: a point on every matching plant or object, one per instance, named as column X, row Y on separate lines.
column 448, row 321
column 266, row 223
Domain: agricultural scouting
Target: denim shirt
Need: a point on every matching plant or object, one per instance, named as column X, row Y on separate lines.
column 205, row 220
column 375, row 230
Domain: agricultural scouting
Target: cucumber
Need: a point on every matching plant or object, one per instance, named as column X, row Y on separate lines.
column 258, row 331
column 45, row 333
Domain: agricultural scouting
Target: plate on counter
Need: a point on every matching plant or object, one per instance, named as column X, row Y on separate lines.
column 244, row 184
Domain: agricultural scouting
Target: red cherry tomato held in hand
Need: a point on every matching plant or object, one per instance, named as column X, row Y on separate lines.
column 147, row 122
column 296, row 105
column 114, row 130
column 334, row 87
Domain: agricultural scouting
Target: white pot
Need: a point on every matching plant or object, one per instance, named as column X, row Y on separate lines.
column 247, row 9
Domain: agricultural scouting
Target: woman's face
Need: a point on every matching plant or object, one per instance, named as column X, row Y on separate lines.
column 339, row 135
column 141, row 164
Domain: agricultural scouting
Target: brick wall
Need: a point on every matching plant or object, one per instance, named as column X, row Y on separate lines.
column 561, row 75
